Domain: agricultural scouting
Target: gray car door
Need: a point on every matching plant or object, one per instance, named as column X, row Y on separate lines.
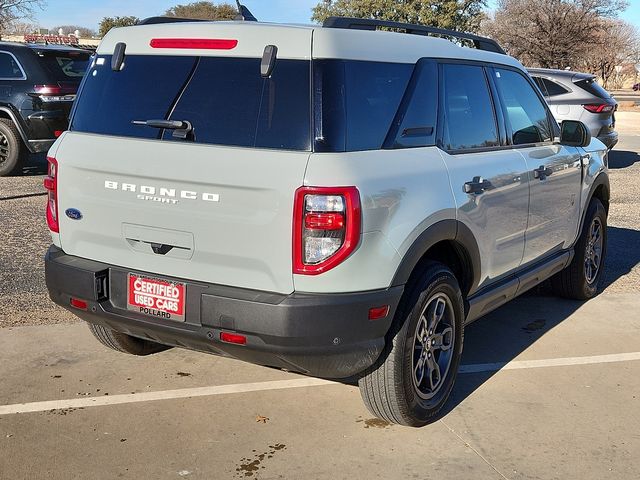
column 489, row 181
column 554, row 170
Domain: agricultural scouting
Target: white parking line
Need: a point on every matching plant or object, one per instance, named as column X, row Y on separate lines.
column 286, row 384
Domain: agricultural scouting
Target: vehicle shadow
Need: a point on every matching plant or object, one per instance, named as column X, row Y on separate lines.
column 502, row 335
column 622, row 159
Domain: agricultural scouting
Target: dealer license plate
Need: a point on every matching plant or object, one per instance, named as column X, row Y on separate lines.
column 156, row 297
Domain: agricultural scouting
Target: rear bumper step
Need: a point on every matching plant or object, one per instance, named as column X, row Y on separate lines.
column 324, row 335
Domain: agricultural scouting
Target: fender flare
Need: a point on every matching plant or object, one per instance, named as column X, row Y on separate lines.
column 444, row 230
column 601, row 180
column 14, row 118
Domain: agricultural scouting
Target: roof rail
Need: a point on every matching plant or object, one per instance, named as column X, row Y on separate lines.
column 481, row 43
column 157, row 20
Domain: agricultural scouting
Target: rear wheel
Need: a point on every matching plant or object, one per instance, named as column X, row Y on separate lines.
column 124, row 343
column 413, row 378
column 580, row 279
column 12, row 150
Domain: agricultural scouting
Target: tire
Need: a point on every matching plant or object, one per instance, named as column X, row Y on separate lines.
column 580, row 279
column 389, row 388
column 12, row 150
column 124, row 343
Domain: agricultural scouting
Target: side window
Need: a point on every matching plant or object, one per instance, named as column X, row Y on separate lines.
column 525, row 112
column 417, row 125
column 469, row 119
column 9, row 68
column 540, row 83
column 553, row 88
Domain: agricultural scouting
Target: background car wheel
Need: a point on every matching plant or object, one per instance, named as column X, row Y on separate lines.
column 12, row 149
column 413, row 378
column 125, row 343
column 580, row 279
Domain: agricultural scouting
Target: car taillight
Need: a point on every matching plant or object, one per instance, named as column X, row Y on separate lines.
column 326, row 227
column 51, row 185
column 54, row 93
column 599, row 107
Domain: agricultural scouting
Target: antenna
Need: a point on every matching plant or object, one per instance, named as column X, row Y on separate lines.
column 244, row 14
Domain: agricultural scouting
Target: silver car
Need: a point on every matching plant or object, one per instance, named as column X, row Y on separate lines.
column 577, row 96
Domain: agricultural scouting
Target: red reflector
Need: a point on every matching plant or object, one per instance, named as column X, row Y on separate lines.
column 324, row 221
column 194, row 43
column 80, row 304
column 57, row 133
column 378, row 312
column 233, row 338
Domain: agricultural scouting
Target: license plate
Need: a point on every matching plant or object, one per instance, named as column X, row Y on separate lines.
column 156, row 297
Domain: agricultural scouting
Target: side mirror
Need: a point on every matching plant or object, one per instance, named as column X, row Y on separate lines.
column 574, row 134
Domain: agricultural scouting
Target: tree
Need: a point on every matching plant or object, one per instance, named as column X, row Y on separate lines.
column 14, row 10
column 107, row 23
column 67, row 29
column 461, row 15
column 617, row 43
column 551, row 33
column 204, row 10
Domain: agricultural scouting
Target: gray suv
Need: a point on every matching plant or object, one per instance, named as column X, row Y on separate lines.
column 578, row 96
column 335, row 200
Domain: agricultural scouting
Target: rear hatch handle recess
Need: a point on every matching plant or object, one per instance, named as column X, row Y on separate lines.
column 182, row 129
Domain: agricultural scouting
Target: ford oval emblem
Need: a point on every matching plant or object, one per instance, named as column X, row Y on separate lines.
column 73, row 214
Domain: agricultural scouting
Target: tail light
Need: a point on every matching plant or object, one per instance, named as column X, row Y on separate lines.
column 326, row 227
column 54, row 93
column 599, row 107
column 51, row 185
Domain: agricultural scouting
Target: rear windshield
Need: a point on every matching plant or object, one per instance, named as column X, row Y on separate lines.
column 225, row 99
column 591, row 86
column 65, row 66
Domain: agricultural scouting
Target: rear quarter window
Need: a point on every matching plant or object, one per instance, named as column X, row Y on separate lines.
column 593, row 87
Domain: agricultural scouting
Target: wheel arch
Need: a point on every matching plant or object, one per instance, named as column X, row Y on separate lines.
column 7, row 113
column 449, row 242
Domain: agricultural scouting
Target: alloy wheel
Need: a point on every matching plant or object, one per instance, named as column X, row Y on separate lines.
column 593, row 254
column 433, row 346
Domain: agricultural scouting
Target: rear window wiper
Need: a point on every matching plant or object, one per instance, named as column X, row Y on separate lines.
column 181, row 128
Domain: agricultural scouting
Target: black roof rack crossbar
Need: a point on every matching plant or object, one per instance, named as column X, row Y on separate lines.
column 481, row 43
column 157, row 20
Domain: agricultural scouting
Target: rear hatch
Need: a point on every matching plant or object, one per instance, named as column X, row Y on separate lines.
column 62, row 71
column 600, row 103
column 213, row 201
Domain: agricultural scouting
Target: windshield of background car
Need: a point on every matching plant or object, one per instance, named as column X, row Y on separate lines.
column 591, row 86
column 226, row 100
column 65, row 66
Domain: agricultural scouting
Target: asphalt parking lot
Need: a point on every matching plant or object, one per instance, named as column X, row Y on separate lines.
column 550, row 388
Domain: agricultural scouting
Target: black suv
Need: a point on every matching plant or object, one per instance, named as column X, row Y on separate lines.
column 38, row 84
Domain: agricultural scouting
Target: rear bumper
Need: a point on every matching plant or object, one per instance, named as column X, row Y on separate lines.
column 609, row 139
column 324, row 335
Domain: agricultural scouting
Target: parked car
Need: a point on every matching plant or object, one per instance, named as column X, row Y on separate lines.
column 578, row 96
column 636, row 87
column 320, row 199
column 38, row 84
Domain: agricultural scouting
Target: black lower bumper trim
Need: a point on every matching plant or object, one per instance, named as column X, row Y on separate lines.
column 324, row 335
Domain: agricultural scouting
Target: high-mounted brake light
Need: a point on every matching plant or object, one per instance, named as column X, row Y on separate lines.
column 194, row 43
column 599, row 107
column 50, row 184
column 326, row 227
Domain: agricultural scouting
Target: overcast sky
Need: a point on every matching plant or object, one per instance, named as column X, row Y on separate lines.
column 89, row 13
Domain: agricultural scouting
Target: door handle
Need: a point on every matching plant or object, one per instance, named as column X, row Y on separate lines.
column 477, row 185
column 542, row 172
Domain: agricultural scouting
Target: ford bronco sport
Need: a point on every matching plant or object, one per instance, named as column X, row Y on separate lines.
column 38, row 84
column 335, row 200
